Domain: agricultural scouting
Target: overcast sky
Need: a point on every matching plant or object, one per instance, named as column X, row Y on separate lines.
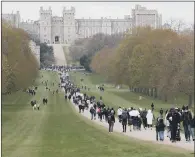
column 30, row 10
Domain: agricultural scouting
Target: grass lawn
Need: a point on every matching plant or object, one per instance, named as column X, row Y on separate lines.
column 58, row 131
column 120, row 97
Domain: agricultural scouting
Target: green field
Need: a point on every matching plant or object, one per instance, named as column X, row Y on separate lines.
column 57, row 130
column 121, row 97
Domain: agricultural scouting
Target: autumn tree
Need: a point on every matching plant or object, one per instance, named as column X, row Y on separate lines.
column 19, row 65
column 155, row 62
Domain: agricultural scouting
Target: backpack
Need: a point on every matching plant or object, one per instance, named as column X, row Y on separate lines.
column 91, row 110
column 130, row 121
column 109, row 118
column 124, row 116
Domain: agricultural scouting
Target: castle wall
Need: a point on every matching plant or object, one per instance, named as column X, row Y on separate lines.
column 69, row 25
column 12, row 19
column 67, row 28
column 45, row 25
column 57, row 29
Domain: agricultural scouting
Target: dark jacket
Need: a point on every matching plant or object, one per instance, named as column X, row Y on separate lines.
column 160, row 125
column 124, row 117
column 187, row 117
column 175, row 118
column 111, row 118
column 192, row 124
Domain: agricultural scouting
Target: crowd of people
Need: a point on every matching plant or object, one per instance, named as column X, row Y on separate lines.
column 135, row 119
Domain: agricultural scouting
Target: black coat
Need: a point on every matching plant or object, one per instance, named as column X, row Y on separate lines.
column 176, row 118
column 192, row 124
column 187, row 118
column 112, row 118
column 160, row 127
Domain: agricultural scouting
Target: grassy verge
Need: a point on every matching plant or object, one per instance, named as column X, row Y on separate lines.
column 114, row 97
column 56, row 131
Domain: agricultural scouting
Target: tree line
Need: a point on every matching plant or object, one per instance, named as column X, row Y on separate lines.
column 19, row 65
column 156, row 62
column 46, row 52
column 84, row 49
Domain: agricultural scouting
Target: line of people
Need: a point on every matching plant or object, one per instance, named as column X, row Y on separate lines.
column 134, row 118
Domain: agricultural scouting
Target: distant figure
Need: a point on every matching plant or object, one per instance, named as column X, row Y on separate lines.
column 161, row 112
column 149, row 117
column 44, row 101
column 111, row 121
column 38, row 106
column 124, row 118
column 152, row 107
column 160, row 128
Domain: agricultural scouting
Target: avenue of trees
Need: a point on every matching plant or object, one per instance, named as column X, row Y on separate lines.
column 84, row 49
column 19, row 65
column 155, row 62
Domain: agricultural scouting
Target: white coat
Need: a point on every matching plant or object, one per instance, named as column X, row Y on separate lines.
column 119, row 112
column 149, row 117
column 166, row 121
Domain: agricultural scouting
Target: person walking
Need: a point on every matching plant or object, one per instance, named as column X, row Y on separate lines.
column 124, row 118
column 174, row 120
column 192, row 125
column 152, row 107
column 187, row 118
column 130, row 121
column 160, row 128
column 161, row 113
column 111, row 121
column 149, row 117
column 168, row 125
column 119, row 113
column 139, row 122
column 144, row 113
column 92, row 110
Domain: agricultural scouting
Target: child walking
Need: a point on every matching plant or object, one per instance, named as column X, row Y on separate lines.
column 160, row 129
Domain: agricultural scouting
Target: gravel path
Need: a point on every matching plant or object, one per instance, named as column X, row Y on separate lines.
column 60, row 58
column 146, row 135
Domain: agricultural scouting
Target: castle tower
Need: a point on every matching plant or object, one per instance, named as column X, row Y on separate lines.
column 69, row 25
column 17, row 22
column 45, row 25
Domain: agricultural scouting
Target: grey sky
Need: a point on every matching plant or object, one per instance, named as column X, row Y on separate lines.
column 30, row 10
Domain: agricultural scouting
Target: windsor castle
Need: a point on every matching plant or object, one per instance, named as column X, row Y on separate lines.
column 66, row 29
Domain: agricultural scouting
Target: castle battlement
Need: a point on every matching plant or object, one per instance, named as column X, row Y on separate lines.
column 45, row 11
column 66, row 29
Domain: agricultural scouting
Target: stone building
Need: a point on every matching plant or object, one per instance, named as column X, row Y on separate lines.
column 12, row 19
column 144, row 17
column 66, row 29
column 35, row 50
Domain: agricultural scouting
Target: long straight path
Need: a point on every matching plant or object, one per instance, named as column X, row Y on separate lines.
column 60, row 58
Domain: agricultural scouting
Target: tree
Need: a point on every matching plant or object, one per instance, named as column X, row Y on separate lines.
column 46, row 55
column 85, row 61
column 15, row 54
column 89, row 47
column 155, row 62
